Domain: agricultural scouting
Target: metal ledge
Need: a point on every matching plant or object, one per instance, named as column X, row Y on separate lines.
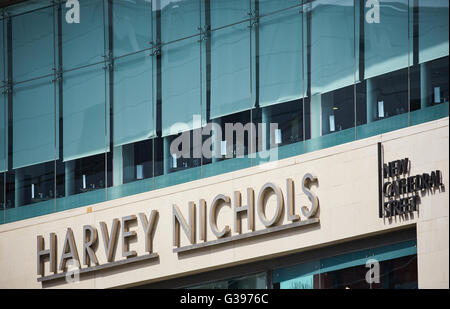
column 246, row 235
column 101, row 267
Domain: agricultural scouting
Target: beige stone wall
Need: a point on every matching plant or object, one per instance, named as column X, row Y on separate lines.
column 348, row 194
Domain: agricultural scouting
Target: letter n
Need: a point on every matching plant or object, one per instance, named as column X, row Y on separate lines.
column 189, row 229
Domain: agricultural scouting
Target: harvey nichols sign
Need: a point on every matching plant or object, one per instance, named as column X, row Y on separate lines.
column 120, row 230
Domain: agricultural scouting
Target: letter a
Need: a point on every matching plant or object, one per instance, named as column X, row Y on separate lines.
column 373, row 14
column 73, row 15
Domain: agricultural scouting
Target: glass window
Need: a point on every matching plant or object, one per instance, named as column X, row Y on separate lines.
column 330, row 106
column 101, row 102
column 3, row 103
column 382, row 93
column 281, row 83
column 280, row 53
column 433, row 29
column 32, row 31
column 134, row 93
column 429, row 73
column 3, row 122
column 397, row 265
column 134, row 112
column 230, row 58
column 181, row 91
column 181, row 101
column 34, row 123
column 33, row 109
column 332, row 45
column 257, row 281
column 90, row 32
column 32, row 112
column 132, row 26
column 85, row 107
column 133, row 106
column 84, row 113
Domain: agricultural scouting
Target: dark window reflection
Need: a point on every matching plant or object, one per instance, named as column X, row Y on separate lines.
column 137, row 161
column 338, row 110
column 287, row 122
column 400, row 273
column 31, row 185
column 85, row 174
column 257, row 281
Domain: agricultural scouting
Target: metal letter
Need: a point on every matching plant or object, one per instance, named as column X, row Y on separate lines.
column 69, row 251
column 178, row 220
column 306, row 186
column 149, row 229
column 202, row 219
column 249, row 209
column 291, row 216
column 261, row 204
column 89, row 240
column 127, row 234
column 42, row 254
column 213, row 217
column 110, row 242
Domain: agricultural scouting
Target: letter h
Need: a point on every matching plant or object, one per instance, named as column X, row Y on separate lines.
column 42, row 254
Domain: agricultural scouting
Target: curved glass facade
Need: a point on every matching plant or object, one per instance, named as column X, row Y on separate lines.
column 139, row 96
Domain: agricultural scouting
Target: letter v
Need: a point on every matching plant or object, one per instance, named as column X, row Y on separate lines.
column 110, row 241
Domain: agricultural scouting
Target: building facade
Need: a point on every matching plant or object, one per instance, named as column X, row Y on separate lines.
column 224, row 144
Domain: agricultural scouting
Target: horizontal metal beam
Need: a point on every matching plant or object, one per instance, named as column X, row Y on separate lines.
column 101, row 267
column 9, row 2
column 246, row 235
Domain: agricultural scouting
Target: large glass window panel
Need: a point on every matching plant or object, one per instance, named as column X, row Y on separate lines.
column 301, row 277
column 3, row 104
column 227, row 12
column 34, row 123
column 332, row 45
column 349, row 270
column 85, row 123
column 84, row 43
column 258, row 281
column 382, row 94
column 386, row 42
column 32, row 44
column 330, row 107
column 181, row 64
column 33, row 101
column 179, row 19
column 134, row 110
column 397, row 265
column 280, row 53
column 429, row 73
column 132, row 26
column 230, row 58
column 181, row 99
column 433, row 29
column 3, row 121
column 134, row 114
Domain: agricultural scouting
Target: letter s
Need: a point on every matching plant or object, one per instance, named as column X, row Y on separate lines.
column 306, row 186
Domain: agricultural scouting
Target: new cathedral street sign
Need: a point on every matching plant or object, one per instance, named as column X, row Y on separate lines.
column 399, row 191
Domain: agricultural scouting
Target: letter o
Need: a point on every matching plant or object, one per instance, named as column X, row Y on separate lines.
column 280, row 204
